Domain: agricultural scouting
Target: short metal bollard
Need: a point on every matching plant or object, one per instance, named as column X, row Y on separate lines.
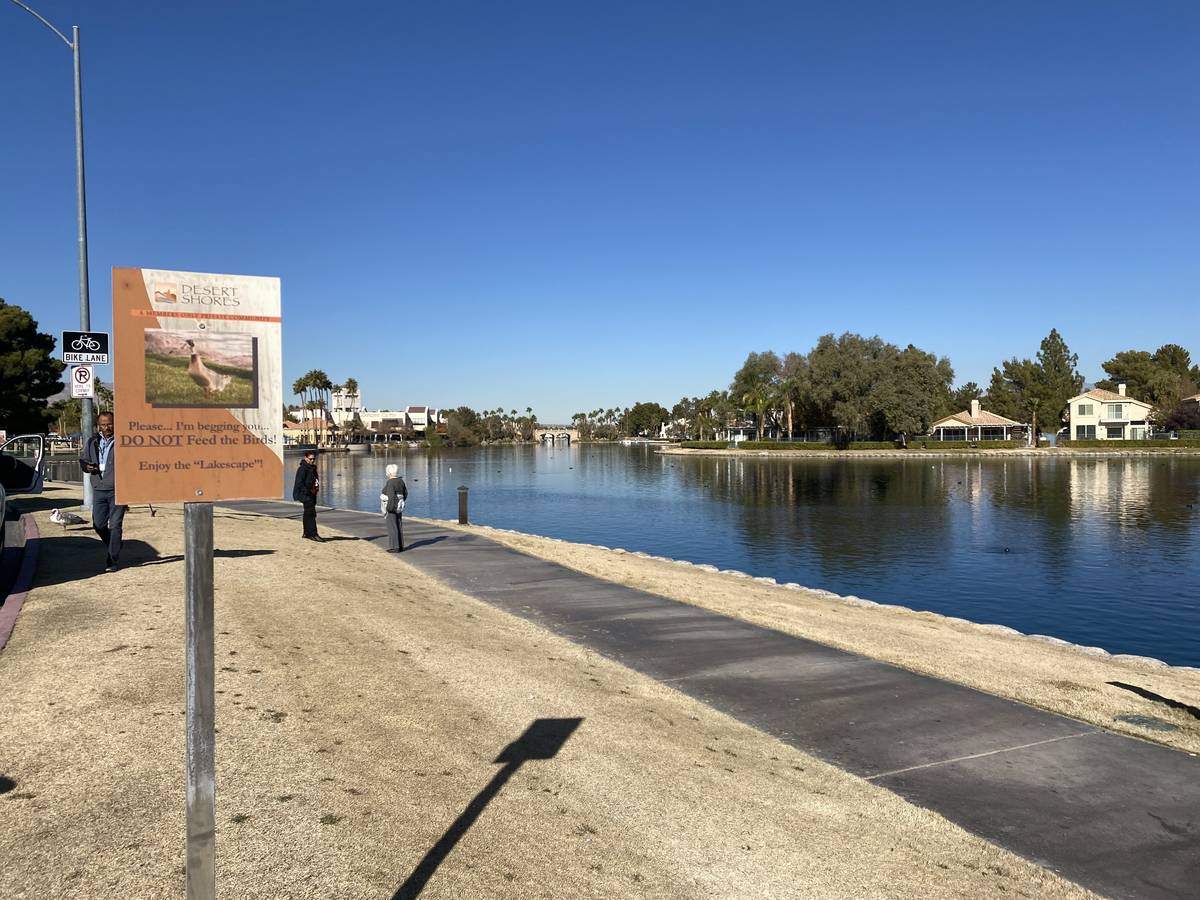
column 462, row 504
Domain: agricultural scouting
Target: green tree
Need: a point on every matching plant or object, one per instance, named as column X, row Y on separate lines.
column 1162, row 378
column 960, row 398
column 916, row 392
column 847, row 382
column 1057, row 378
column 756, row 385
column 1037, row 391
column 1139, row 372
column 685, row 414
column 1014, row 390
column 793, row 378
column 67, row 414
column 583, row 425
column 463, row 427
column 644, row 419
column 28, row 372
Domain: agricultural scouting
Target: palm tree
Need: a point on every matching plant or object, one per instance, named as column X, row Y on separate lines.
column 350, row 389
column 757, row 398
column 302, row 387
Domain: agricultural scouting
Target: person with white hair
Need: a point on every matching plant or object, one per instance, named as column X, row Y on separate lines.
column 391, row 504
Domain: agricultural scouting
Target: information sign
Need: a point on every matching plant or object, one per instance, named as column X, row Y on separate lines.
column 198, row 384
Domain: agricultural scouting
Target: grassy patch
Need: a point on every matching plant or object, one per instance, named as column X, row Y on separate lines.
column 168, row 383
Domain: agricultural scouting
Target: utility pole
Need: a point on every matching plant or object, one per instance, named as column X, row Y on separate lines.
column 85, row 315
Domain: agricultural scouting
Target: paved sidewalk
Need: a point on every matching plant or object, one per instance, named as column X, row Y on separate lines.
column 1116, row 814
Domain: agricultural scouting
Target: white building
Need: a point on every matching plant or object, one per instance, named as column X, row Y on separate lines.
column 975, row 424
column 416, row 419
column 345, row 405
column 1106, row 416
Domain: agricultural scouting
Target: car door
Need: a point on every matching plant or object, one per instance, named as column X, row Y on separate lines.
column 22, row 466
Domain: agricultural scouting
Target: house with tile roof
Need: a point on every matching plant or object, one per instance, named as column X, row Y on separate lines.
column 1108, row 416
column 976, row 424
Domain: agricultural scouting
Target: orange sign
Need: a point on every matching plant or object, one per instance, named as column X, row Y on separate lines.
column 198, row 386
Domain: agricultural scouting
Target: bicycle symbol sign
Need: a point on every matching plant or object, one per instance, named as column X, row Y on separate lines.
column 85, row 347
column 85, row 342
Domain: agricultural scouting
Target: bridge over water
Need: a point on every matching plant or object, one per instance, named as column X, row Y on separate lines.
column 555, row 434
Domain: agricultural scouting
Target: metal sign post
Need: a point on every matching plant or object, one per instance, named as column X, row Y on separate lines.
column 201, row 710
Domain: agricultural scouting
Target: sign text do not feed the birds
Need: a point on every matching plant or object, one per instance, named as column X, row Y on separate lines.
column 198, row 386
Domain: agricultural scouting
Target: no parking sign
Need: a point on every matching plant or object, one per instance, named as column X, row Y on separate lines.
column 83, row 382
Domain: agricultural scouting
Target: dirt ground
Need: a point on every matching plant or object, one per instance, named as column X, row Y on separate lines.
column 361, row 707
column 1093, row 688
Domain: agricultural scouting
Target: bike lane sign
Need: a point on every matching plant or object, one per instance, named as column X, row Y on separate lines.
column 85, row 347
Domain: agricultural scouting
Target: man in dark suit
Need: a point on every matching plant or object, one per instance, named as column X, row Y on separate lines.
column 305, row 492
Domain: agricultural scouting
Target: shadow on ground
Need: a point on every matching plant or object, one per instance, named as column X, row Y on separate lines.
column 48, row 500
column 425, row 543
column 79, row 554
column 1192, row 711
column 541, row 740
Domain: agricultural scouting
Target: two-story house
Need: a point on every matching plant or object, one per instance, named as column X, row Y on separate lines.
column 1106, row 416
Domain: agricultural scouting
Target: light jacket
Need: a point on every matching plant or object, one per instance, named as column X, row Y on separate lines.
column 106, row 481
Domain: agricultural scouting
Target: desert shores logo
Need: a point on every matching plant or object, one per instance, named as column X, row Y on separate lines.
column 172, row 294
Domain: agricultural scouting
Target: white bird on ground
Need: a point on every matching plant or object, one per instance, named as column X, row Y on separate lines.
column 212, row 382
column 58, row 517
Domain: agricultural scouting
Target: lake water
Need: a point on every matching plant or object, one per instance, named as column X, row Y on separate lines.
column 1102, row 552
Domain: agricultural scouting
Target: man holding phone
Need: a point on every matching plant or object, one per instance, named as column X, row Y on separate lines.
column 100, row 464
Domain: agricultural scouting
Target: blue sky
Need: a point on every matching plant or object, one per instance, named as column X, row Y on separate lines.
column 567, row 205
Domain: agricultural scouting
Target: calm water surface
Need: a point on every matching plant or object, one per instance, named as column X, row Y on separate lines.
column 1099, row 552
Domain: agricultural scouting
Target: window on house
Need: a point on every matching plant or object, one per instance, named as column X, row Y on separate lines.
column 1115, row 411
column 1085, row 432
column 1085, row 409
column 1115, row 432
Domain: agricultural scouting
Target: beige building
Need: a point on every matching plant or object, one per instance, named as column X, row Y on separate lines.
column 1107, row 416
column 975, row 424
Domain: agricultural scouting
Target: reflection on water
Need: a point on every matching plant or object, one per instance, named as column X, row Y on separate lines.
column 1095, row 551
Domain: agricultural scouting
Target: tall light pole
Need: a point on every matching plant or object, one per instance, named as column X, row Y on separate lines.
column 85, row 313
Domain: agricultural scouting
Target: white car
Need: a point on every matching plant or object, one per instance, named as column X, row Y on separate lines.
column 22, row 469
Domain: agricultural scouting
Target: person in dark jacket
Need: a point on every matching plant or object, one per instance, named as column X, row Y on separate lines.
column 395, row 492
column 99, row 462
column 305, row 491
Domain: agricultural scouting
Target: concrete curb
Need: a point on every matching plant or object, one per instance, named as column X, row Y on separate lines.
column 23, row 583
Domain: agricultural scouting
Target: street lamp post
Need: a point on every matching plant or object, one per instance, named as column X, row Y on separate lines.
column 85, row 314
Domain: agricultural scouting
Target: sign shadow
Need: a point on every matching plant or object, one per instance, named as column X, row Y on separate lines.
column 541, row 740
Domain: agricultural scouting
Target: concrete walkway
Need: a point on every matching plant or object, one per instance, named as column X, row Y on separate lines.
column 1116, row 814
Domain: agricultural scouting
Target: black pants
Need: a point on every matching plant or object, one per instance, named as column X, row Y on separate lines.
column 395, row 526
column 107, row 519
column 310, row 517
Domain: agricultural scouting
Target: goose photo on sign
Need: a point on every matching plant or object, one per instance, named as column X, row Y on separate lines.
column 201, row 368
